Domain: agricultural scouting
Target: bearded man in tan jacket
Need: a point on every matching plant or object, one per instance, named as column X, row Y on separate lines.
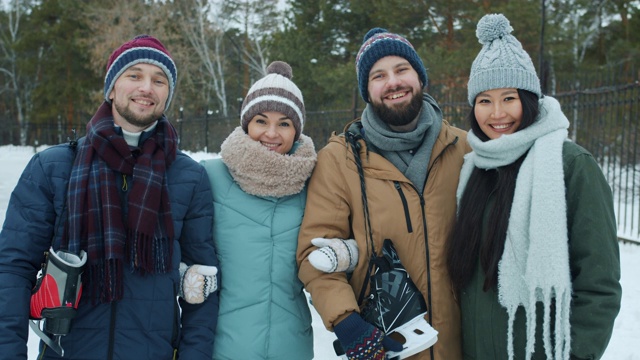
column 410, row 159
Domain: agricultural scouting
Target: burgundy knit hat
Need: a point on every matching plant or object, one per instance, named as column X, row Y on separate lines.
column 275, row 92
column 141, row 49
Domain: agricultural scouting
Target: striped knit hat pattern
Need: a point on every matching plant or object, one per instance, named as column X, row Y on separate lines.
column 141, row 49
column 502, row 62
column 379, row 43
column 275, row 92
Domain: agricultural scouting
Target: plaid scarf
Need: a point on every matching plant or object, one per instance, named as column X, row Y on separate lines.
column 95, row 218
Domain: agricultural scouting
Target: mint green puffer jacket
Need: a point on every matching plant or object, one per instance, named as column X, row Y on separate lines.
column 263, row 310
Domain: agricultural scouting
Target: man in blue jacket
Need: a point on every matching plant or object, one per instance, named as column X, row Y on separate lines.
column 136, row 206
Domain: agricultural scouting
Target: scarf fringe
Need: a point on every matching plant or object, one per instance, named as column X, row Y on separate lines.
column 149, row 255
column 512, row 317
column 560, row 349
column 103, row 281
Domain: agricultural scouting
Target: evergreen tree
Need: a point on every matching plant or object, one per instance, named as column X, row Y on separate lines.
column 60, row 65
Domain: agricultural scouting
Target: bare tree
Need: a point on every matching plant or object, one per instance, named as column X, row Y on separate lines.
column 586, row 29
column 204, row 26
column 112, row 22
column 257, row 20
column 18, row 85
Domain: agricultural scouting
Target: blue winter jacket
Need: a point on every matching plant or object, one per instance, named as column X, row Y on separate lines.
column 263, row 309
column 149, row 322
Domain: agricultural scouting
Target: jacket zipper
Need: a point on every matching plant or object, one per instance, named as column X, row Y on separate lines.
column 426, row 242
column 405, row 205
column 112, row 329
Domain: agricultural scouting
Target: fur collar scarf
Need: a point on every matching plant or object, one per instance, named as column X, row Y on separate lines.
column 263, row 172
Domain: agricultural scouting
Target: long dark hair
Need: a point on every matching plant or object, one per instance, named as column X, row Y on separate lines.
column 483, row 213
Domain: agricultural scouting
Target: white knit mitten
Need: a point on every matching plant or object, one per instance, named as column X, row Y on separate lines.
column 334, row 255
column 197, row 282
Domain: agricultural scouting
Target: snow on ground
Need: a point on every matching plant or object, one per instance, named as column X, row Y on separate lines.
column 623, row 345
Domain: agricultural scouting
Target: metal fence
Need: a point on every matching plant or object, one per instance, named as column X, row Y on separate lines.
column 603, row 116
column 605, row 121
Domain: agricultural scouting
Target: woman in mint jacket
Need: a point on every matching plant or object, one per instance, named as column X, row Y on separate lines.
column 259, row 194
column 534, row 256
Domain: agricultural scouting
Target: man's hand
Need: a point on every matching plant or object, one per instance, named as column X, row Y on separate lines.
column 361, row 340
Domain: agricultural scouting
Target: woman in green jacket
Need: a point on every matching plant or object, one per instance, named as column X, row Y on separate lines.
column 259, row 195
column 534, row 256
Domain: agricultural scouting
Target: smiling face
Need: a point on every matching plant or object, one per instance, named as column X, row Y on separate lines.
column 139, row 97
column 274, row 130
column 395, row 90
column 498, row 112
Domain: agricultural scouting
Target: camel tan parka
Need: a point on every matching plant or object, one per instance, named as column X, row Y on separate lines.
column 419, row 227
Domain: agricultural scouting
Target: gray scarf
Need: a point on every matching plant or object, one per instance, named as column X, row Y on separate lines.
column 535, row 262
column 262, row 172
column 397, row 146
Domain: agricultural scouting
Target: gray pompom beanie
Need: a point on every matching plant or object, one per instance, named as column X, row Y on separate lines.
column 378, row 43
column 275, row 92
column 502, row 62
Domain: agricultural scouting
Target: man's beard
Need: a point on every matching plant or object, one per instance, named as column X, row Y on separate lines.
column 399, row 115
column 134, row 119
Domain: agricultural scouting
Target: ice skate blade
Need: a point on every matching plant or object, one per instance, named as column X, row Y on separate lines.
column 418, row 335
column 51, row 342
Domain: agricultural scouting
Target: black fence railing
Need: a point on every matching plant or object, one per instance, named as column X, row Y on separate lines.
column 604, row 119
column 606, row 122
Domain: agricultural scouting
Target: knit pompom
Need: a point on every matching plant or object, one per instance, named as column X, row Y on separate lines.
column 274, row 92
column 372, row 32
column 492, row 27
column 280, row 68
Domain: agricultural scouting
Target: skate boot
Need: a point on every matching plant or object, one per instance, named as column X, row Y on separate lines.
column 55, row 297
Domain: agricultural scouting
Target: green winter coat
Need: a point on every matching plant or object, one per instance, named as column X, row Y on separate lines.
column 595, row 274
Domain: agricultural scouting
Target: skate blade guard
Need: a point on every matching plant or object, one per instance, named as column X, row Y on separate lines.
column 415, row 336
column 55, row 297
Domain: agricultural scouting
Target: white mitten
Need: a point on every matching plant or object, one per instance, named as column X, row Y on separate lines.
column 197, row 282
column 334, row 255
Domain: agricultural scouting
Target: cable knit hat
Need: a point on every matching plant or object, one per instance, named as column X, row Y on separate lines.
column 275, row 92
column 378, row 43
column 141, row 49
column 502, row 62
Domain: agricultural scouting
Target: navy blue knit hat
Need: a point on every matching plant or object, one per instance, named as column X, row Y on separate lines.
column 141, row 49
column 379, row 43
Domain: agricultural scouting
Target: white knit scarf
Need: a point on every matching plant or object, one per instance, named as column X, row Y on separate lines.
column 535, row 263
column 262, row 172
